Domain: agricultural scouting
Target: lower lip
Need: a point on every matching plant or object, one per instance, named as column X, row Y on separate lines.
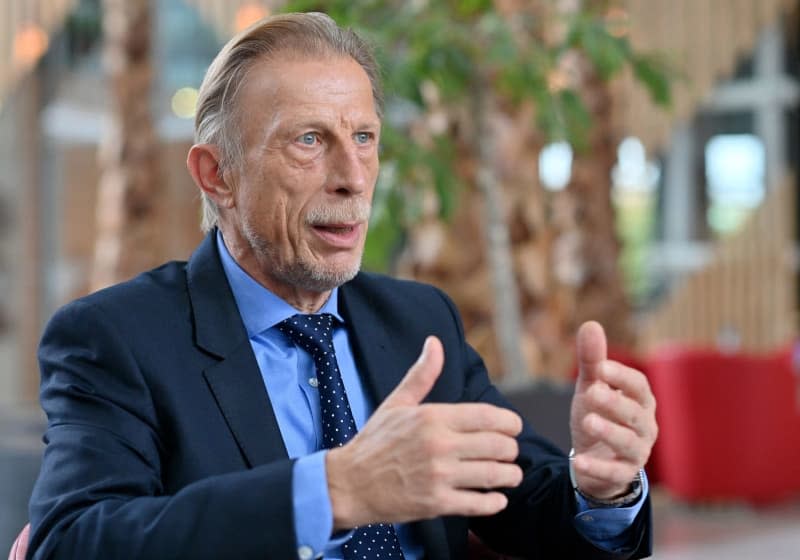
column 341, row 239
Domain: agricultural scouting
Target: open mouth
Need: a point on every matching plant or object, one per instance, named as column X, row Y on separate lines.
column 344, row 236
column 338, row 230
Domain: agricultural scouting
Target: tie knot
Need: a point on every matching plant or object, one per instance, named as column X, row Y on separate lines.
column 313, row 333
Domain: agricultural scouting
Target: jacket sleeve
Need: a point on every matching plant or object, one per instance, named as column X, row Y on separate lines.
column 100, row 492
column 539, row 521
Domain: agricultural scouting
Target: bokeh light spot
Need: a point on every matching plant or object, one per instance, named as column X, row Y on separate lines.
column 184, row 102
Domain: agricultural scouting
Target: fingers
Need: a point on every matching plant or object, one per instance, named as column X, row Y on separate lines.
column 592, row 349
column 472, row 503
column 613, row 424
column 420, row 377
column 484, row 475
column 625, row 443
column 619, row 411
column 631, row 382
column 466, row 488
column 618, row 407
column 397, row 478
column 486, row 445
column 412, row 461
column 478, row 417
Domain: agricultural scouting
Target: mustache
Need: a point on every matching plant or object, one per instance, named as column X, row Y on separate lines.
column 347, row 211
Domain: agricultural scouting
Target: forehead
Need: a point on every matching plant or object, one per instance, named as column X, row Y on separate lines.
column 296, row 84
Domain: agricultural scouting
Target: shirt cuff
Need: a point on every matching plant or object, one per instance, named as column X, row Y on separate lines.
column 313, row 514
column 606, row 527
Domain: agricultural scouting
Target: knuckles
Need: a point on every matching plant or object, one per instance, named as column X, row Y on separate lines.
column 598, row 395
column 427, row 414
column 433, row 474
column 492, row 476
column 508, row 450
column 438, row 473
column 485, row 415
column 433, row 445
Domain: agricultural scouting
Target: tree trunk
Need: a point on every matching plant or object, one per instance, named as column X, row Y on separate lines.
column 563, row 245
column 601, row 295
column 127, row 209
column 507, row 322
column 549, row 258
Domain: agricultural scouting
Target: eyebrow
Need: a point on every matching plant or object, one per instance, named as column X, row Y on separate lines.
column 366, row 124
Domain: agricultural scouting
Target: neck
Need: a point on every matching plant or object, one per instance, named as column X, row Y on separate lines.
column 302, row 299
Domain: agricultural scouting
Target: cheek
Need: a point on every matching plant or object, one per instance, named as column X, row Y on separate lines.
column 286, row 222
column 266, row 215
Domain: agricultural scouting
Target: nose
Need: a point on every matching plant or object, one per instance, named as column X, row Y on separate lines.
column 350, row 169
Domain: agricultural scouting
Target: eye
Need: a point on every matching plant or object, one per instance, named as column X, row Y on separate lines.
column 363, row 137
column 308, row 139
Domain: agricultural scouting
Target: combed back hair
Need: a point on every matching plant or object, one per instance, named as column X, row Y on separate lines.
column 311, row 35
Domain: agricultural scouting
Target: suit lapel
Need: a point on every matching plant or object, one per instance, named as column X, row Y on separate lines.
column 379, row 358
column 382, row 362
column 235, row 380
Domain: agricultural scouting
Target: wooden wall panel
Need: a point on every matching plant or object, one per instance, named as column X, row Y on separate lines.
column 748, row 288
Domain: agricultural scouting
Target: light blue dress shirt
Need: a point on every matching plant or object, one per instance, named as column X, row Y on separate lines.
column 290, row 382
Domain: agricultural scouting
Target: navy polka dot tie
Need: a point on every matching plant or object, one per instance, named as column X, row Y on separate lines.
column 314, row 334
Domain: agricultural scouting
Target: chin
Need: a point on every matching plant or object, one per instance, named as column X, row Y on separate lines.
column 320, row 277
column 341, row 274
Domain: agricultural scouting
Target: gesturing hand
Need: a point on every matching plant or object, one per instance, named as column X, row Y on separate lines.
column 612, row 420
column 415, row 461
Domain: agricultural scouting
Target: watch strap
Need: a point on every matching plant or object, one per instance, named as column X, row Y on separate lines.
column 627, row 499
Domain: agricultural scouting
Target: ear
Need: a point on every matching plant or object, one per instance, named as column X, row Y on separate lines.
column 203, row 163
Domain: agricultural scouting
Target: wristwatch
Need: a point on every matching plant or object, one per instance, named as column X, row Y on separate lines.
column 627, row 499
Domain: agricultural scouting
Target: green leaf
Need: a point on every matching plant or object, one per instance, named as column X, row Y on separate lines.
column 470, row 8
column 455, row 44
column 441, row 161
column 383, row 241
column 607, row 53
column 577, row 119
column 655, row 77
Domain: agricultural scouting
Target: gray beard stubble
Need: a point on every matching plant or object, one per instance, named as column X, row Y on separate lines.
column 307, row 275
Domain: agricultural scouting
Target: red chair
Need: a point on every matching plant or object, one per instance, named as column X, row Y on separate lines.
column 728, row 423
column 20, row 547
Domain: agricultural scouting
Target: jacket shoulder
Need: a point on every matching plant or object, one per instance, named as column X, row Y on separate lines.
column 151, row 292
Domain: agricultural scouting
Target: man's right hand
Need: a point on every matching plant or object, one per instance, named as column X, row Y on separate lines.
column 416, row 461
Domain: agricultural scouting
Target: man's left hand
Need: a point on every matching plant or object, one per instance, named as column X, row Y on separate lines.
column 612, row 421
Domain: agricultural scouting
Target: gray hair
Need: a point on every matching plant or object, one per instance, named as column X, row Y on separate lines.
column 308, row 35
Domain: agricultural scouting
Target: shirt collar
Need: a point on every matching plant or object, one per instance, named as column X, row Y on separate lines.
column 259, row 308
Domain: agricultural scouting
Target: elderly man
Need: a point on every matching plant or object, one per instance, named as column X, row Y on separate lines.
column 267, row 400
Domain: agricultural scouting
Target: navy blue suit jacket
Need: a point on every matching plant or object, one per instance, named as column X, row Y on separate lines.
column 162, row 443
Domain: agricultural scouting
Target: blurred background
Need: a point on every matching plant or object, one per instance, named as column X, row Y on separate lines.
column 545, row 162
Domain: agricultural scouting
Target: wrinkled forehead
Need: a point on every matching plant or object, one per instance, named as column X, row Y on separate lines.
column 298, row 80
column 292, row 92
column 296, row 73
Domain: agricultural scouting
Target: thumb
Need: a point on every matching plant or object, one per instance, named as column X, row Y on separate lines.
column 592, row 349
column 420, row 378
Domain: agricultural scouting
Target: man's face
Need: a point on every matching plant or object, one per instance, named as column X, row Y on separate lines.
column 303, row 191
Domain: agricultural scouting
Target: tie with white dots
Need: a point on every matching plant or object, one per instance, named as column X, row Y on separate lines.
column 314, row 334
